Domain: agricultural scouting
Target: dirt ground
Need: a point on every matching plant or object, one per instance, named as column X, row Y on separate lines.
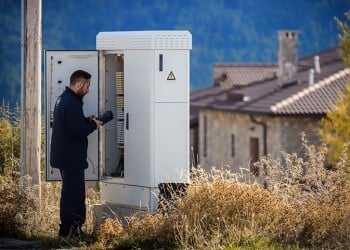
column 8, row 243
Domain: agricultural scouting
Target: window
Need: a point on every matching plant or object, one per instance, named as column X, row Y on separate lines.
column 232, row 145
column 194, row 146
column 205, row 136
column 254, row 154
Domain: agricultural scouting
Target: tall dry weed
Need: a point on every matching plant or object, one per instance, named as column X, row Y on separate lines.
column 319, row 194
column 110, row 233
column 21, row 215
column 218, row 210
column 215, row 211
column 296, row 202
column 296, row 179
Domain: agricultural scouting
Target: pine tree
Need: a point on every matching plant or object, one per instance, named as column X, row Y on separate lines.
column 335, row 127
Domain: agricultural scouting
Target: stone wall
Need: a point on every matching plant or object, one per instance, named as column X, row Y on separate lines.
column 215, row 145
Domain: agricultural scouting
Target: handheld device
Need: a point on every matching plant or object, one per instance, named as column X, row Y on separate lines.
column 106, row 117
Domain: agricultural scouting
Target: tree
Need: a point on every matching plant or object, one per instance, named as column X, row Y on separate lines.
column 344, row 39
column 335, row 127
column 9, row 140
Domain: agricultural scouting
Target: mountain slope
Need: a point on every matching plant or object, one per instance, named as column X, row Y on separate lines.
column 223, row 30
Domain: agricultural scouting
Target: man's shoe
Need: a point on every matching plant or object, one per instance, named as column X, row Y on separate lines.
column 79, row 236
column 62, row 233
column 74, row 237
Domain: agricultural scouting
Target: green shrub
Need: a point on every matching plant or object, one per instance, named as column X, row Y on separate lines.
column 10, row 140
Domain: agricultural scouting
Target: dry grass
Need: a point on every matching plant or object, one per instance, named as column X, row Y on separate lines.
column 21, row 215
column 298, row 204
column 19, row 212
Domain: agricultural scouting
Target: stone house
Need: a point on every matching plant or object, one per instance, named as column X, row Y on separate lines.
column 257, row 109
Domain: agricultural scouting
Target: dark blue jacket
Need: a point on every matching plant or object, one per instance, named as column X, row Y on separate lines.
column 69, row 140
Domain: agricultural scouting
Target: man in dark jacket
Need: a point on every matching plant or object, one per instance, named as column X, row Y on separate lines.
column 69, row 145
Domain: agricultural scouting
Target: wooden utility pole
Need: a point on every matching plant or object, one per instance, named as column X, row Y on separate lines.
column 31, row 93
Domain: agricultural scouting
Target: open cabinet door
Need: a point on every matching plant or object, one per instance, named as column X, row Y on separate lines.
column 59, row 65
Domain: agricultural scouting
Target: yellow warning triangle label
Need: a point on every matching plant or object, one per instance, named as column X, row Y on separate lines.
column 171, row 76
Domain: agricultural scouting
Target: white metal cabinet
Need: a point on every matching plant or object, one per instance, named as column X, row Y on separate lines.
column 171, row 120
column 59, row 65
column 144, row 80
column 171, row 82
column 156, row 139
column 139, row 113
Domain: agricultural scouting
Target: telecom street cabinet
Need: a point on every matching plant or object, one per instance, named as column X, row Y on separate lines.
column 143, row 78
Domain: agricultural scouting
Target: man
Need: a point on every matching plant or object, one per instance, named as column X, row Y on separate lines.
column 69, row 145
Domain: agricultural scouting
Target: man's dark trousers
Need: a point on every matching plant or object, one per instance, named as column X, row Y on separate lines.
column 72, row 206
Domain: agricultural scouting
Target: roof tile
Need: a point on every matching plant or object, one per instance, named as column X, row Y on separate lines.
column 265, row 93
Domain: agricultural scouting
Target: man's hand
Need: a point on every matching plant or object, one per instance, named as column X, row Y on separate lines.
column 98, row 123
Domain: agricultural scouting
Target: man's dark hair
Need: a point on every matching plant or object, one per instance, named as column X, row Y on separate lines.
column 79, row 75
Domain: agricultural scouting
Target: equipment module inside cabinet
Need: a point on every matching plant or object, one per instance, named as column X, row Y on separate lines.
column 143, row 79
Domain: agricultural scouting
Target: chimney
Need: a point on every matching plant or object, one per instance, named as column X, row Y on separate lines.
column 311, row 77
column 317, row 64
column 287, row 56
